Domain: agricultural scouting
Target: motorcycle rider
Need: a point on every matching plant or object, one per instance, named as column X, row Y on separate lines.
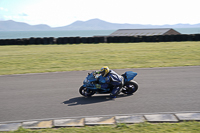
column 111, row 78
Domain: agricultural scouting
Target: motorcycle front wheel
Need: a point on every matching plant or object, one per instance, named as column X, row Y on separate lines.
column 130, row 87
column 86, row 92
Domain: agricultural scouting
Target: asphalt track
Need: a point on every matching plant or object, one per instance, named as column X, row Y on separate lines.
column 55, row 95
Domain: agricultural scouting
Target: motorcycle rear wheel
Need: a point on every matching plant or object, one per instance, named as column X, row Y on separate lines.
column 86, row 92
column 130, row 87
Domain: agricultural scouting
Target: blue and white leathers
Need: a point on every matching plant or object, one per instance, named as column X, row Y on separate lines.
column 115, row 81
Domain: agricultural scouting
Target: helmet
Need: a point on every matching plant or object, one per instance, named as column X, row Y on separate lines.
column 104, row 71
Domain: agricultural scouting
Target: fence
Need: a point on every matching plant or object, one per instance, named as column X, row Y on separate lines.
column 101, row 39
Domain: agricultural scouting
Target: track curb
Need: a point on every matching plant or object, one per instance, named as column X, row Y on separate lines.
column 170, row 117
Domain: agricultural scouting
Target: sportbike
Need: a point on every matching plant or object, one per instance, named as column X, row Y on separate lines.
column 129, row 86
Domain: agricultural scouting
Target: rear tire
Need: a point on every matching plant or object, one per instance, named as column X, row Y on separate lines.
column 85, row 92
column 130, row 87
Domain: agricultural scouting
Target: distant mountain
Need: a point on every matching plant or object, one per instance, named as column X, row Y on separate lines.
column 97, row 24
column 93, row 24
column 11, row 25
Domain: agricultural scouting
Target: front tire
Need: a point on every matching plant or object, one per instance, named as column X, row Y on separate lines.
column 86, row 92
column 130, row 87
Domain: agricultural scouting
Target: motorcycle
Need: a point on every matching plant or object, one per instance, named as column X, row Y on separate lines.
column 129, row 86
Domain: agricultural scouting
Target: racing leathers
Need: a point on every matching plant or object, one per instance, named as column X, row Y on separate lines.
column 114, row 80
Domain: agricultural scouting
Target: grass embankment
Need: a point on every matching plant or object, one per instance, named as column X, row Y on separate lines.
column 51, row 58
column 183, row 127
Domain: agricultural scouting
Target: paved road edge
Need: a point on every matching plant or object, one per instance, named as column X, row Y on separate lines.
column 101, row 120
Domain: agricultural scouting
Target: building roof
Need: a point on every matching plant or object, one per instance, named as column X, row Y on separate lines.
column 145, row 32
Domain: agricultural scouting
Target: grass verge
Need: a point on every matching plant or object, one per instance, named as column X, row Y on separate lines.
column 183, row 127
column 52, row 58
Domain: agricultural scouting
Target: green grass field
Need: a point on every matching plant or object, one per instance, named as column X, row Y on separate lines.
column 183, row 127
column 51, row 58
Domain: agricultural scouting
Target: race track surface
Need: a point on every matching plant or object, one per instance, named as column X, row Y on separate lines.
column 55, row 95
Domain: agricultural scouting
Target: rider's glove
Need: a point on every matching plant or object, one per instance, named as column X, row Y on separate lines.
column 98, row 86
column 97, row 72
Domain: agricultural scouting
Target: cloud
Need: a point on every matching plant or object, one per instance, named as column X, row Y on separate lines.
column 6, row 14
column 12, row 16
column 3, row 9
column 22, row 14
column 17, row 17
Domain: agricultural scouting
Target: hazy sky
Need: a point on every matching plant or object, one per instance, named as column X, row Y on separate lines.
column 64, row 12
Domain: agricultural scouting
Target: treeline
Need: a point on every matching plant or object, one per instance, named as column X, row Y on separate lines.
column 101, row 39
